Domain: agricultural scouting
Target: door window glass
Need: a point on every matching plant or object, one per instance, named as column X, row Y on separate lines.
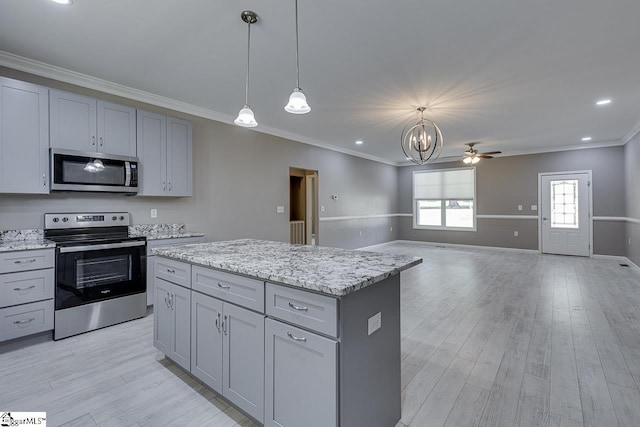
column 564, row 203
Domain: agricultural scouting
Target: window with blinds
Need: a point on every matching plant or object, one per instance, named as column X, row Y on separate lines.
column 444, row 199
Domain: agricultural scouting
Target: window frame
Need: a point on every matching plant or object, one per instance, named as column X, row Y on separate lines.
column 443, row 213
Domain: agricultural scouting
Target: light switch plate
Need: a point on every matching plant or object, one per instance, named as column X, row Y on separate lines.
column 534, row 207
column 321, row 208
column 154, row 213
column 279, row 209
column 519, row 207
column 375, row 323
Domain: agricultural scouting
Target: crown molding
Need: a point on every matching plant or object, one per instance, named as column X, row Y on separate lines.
column 632, row 133
column 53, row 72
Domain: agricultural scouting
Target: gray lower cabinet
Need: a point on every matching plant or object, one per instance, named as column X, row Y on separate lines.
column 172, row 324
column 227, row 351
column 161, row 243
column 301, row 377
column 24, row 137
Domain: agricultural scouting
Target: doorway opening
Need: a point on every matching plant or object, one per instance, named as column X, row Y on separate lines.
column 565, row 222
column 303, row 202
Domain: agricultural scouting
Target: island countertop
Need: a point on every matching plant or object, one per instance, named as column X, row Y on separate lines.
column 328, row 270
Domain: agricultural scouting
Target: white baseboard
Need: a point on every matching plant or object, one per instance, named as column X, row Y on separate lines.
column 452, row 245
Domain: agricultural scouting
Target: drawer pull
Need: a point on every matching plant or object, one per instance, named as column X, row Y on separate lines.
column 25, row 288
column 22, row 322
column 171, row 271
column 303, row 339
column 24, row 261
column 223, row 286
column 295, row 307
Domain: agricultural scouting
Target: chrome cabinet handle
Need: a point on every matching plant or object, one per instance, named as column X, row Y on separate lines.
column 164, row 186
column 101, row 141
column 171, row 271
column 224, row 325
column 171, row 301
column 166, row 300
column 44, row 180
column 24, row 289
column 93, row 140
column 303, row 339
column 170, row 187
column 223, row 286
column 22, row 322
column 299, row 308
column 218, row 322
column 24, row 261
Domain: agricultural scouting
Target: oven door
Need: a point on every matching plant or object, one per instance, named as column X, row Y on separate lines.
column 95, row 272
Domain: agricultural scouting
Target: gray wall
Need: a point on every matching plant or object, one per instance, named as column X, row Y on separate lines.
column 632, row 181
column 503, row 183
column 240, row 176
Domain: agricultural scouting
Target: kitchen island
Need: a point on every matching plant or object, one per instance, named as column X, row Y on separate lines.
column 292, row 335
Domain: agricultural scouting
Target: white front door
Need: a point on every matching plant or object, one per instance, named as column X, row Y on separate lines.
column 564, row 213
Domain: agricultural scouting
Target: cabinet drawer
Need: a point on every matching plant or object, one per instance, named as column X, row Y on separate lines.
column 173, row 271
column 26, row 319
column 26, row 260
column 26, row 286
column 237, row 289
column 306, row 309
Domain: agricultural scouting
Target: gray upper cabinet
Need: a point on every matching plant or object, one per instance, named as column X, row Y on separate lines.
column 24, row 137
column 86, row 124
column 165, row 152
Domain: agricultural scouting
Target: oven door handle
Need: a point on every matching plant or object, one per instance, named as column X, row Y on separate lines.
column 85, row 248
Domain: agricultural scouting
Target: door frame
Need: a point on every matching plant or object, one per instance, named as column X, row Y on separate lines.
column 589, row 204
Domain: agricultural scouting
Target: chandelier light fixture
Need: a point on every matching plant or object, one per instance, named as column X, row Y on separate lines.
column 245, row 116
column 421, row 141
column 297, row 101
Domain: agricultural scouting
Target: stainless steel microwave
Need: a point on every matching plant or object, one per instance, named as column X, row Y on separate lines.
column 96, row 172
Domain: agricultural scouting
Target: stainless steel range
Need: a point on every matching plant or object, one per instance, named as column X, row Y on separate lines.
column 100, row 271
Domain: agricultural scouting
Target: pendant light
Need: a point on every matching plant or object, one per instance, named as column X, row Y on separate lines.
column 245, row 116
column 421, row 141
column 297, row 101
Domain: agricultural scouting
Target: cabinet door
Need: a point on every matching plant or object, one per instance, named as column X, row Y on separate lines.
column 152, row 152
column 179, row 157
column 244, row 360
column 116, row 129
column 162, row 316
column 150, row 278
column 24, row 135
column 180, row 351
column 73, row 121
column 300, row 378
column 206, row 340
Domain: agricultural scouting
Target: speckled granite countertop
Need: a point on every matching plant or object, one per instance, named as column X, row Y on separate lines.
column 162, row 231
column 23, row 240
column 328, row 270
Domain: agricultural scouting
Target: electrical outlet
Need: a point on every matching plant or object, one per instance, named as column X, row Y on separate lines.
column 519, row 207
column 360, row 233
column 321, row 208
column 279, row 209
column 515, row 234
column 374, row 323
column 534, row 207
column 154, row 213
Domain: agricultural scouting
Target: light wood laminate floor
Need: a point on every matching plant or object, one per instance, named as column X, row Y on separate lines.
column 489, row 338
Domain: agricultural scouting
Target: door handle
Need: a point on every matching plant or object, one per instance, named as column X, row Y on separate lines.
column 171, row 301
column 93, row 140
column 224, row 325
column 299, row 308
column 24, row 261
column 170, row 187
column 166, row 299
column 223, row 286
column 218, row 322
column 101, row 142
column 164, row 186
column 544, row 219
column 44, row 180
column 22, row 322
column 25, row 288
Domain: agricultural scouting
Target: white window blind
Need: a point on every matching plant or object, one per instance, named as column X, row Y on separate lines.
column 446, row 184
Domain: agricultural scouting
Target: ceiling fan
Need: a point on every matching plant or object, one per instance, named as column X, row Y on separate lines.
column 471, row 156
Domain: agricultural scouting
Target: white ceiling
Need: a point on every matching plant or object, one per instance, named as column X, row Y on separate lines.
column 516, row 76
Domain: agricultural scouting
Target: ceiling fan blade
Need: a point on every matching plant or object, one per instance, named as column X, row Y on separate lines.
column 484, row 156
column 492, row 152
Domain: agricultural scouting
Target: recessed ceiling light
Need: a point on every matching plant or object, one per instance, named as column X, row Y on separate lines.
column 66, row 2
column 586, row 138
column 603, row 102
column 359, row 142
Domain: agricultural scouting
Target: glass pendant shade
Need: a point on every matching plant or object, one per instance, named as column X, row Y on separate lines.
column 467, row 160
column 245, row 118
column 297, row 103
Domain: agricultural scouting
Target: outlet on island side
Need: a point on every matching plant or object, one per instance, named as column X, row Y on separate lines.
column 154, row 213
column 374, row 323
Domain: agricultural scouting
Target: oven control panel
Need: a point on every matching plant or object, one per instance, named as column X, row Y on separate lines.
column 79, row 220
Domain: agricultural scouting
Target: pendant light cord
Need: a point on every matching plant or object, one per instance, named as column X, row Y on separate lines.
column 297, row 50
column 246, row 87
